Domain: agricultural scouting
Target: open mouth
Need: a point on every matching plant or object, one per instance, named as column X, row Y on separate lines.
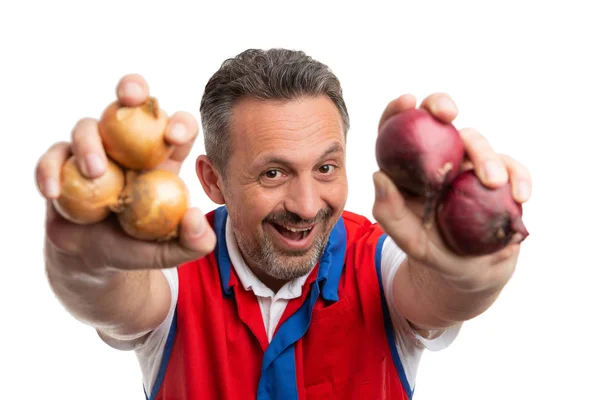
column 292, row 233
column 292, row 238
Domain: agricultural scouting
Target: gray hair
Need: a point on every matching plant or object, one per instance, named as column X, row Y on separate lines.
column 275, row 74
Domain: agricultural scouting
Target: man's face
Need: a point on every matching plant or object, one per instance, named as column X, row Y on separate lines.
column 286, row 183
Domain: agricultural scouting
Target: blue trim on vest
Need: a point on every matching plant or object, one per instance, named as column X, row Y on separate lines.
column 278, row 372
column 333, row 261
column 165, row 359
column 389, row 327
column 222, row 256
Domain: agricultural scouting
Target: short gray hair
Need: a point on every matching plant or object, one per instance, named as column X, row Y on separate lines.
column 275, row 74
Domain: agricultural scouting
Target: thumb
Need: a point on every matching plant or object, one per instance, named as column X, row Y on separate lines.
column 196, row 239
column 393, row 213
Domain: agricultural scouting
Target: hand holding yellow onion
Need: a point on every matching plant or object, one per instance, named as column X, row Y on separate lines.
column 149, row 202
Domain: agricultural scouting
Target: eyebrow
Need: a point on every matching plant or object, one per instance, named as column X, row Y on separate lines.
column 334, row 148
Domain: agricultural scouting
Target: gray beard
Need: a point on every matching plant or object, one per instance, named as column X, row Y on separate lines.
column 280, row 265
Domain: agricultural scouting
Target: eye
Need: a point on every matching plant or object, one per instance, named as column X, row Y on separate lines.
column 327, row 169
column 272, row 174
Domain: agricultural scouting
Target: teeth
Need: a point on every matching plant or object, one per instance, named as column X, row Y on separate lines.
column 297, row 230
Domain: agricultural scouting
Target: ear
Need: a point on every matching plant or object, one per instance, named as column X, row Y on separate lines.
column 210, row 179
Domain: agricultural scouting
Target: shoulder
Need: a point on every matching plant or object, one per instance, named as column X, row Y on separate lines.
column 359, row 228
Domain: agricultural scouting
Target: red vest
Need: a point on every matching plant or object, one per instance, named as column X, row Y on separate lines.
column 336, row 341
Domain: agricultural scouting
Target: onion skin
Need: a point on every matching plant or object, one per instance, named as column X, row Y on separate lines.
column 475, row 220
column 421, row 154
column 134, row 136
column 152, row 205
column 86, row 201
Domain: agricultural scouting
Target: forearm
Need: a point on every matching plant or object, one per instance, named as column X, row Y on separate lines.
column 114, row 302
column 430, row 301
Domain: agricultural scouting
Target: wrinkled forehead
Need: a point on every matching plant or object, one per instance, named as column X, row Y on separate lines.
column 302, row 124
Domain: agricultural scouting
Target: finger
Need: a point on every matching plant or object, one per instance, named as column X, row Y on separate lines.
column 487, row 165
column 196, row 240
column 402, row 103
column 396, row 218
column 132, row 90
column 63, row 235
column 87, row 148
column 519, row 177
column 195, row 234
column 441, row 106
column 47, row 171
column 182, row 132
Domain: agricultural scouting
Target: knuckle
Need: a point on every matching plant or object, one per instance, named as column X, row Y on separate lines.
column 161, row 257
column 518, row 167
column 479, row 144
column 468, row 134
column 59, row 146
column 60, row 238
column 508, row 159
column 82, row 128
column 51, row 156
column 84, row 123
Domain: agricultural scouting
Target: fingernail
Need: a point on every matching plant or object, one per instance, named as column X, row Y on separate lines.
column 178, row 132
column 380, row 191
column 94, row 165
column 51, row 188
column 523, row 191
column 132, row 89
column 494, row 172
column 198, row 227
column 445, row 104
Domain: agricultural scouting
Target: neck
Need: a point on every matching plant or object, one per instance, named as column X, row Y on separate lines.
column 270, row 282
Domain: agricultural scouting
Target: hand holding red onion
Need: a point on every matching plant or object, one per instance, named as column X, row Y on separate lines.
column 423, row 157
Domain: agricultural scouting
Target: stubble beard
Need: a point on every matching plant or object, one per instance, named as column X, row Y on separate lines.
column 286, row 265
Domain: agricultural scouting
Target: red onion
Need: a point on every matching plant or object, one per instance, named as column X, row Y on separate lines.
column 477, row 220
column 420, row 153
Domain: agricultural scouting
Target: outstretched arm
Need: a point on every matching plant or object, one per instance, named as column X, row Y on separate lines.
column 434, row 288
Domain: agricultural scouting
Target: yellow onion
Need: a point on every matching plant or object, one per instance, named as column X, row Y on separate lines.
column 152, row 205
column 134, row 136
column 86, row 201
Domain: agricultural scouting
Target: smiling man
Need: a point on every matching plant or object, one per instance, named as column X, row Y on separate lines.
column 279, row 293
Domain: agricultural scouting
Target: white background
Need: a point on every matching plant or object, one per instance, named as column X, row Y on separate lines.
column 525, row 73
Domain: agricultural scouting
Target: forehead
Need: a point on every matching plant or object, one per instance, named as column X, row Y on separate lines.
column 267, row 125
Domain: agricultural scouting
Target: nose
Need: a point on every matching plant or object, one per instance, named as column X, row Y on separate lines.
column 304, row 198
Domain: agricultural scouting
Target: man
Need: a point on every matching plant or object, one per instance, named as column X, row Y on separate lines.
column 280, row 293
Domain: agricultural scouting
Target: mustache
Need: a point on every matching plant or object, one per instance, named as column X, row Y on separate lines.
column 286, row 217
